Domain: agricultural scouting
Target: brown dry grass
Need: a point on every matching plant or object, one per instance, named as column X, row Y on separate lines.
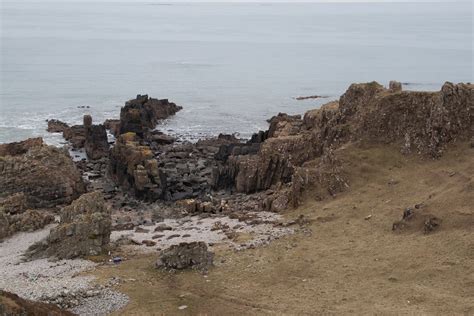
column 348, row 265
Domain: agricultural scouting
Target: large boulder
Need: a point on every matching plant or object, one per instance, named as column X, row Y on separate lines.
column 76, row 135
column 143, row 113
column 45, row 175
column 193, row 255
column 84, row 230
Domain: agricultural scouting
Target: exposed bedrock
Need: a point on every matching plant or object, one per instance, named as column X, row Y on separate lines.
column 19, row 148
column 12, row 304
column 143, row 113
column 84, row 230
column 300, row 151
column 192, row 255
column 173, row 172
column 96, row 144
column 133, row 166
column 56, row 126
column 45, row 175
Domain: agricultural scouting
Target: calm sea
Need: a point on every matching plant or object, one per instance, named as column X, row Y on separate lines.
column 231, row 66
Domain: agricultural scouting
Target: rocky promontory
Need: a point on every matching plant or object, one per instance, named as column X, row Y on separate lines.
column 149, row 193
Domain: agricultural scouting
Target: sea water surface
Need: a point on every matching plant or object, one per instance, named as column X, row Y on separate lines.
column 231, row 66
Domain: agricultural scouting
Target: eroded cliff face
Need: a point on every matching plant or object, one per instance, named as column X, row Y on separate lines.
column 303, row 152
column 34, row 177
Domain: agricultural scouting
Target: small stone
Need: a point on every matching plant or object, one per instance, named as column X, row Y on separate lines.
column 149, row 243
column 162, row 227
column 183, row 307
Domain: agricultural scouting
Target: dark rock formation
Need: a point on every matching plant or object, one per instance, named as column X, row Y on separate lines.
column 20, row 148
column 76, row 135
column 56, row 126
column 134, row 167
column 113, row 126
column 143, row 113
column 395, row 86
column 84, row 230
column 45, row 175
column 96, row 144
column 193, row 255
column 13, row 305
column 416, row 219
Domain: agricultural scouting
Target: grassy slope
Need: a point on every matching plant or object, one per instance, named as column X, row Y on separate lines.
column 348, row 264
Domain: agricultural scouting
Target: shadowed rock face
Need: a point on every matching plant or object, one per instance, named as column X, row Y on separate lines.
column 84, row 230
column 24, row 220
column 143, row 113
column 20, row 148
column 179, row 172
column 45, row 175
column 12, row 304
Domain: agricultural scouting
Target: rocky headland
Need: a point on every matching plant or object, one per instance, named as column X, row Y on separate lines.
column 149, row 193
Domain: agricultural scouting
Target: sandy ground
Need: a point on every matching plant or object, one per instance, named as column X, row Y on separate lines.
column 347, row 260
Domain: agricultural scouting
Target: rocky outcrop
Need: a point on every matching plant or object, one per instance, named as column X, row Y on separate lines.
column 96, row 144
column 15, row 216
column 12, row 304
column 417, row 219
column 113, row 126
column 76, row 135
column 299, row 151
column 143, row 113
column 420, row 122
column 20, row 148
column 134, row 167
column 56, row 126
column 45, row 175
column 84, row 230
column 193, row 255
column 177, row 172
